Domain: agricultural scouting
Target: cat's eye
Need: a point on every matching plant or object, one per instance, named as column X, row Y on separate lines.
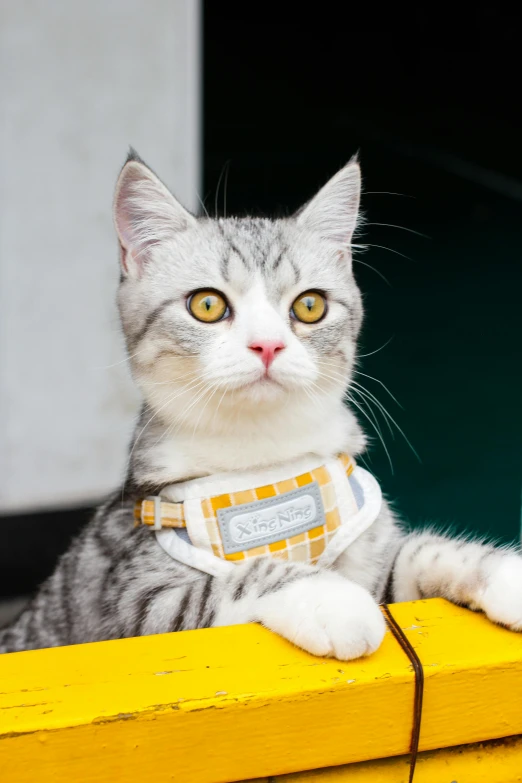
column 309, row 307
column 208, row 306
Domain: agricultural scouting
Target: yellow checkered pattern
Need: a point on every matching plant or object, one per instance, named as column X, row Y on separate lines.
column 172, row 514
column 305, row 547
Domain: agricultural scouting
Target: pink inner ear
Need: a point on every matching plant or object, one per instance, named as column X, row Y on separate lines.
column 123, row 259
column 123, row 216
column 145, row 214
column 124, row 228
column 126, row 219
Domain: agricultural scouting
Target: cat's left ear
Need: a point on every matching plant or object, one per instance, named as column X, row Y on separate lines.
column 333, row 212
column 145, row 214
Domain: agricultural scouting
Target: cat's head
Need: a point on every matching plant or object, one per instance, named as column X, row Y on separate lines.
column 235, row 318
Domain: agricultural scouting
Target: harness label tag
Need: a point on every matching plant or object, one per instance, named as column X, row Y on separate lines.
column 266, row 521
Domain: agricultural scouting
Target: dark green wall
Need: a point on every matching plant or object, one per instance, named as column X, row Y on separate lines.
column 455, row 358
column 289, row 101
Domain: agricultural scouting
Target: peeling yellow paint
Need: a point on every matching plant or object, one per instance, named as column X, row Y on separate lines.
column 247, row 704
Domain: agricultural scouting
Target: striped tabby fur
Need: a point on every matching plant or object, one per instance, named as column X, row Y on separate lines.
column 210, row 406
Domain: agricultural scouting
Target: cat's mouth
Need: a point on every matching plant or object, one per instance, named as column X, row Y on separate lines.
column 264, row 384
column 265, row 380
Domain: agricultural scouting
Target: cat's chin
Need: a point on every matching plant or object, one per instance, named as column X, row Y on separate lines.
column 268, row 390
column 264, row 389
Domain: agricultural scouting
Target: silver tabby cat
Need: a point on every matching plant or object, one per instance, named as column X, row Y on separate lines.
column 250, row 389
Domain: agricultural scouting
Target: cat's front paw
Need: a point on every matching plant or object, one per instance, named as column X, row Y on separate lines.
column 326, row 615
column 501, row 598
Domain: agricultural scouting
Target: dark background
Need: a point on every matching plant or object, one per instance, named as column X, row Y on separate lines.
column 428, row 95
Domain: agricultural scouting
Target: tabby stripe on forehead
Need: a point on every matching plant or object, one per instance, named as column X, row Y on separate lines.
column 239, row 253
column 278, row 260
column 224, row 268
column 225, row 261
column 151, row 318
column 285, row 255
column 295, row 268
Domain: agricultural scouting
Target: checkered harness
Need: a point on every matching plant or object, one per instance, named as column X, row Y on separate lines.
column 307, row 511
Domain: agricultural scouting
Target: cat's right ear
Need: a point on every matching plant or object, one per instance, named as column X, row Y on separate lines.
column 332, row 213
column 145, row 214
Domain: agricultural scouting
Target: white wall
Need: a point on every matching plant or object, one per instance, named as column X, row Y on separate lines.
column 80, row 82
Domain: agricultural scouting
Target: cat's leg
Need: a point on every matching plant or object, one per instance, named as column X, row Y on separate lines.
column 476, row 575
column 137, row 590
column 318, row 610
column 369, row 559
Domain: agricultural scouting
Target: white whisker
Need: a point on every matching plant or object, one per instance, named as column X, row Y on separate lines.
column 199, row 396
column 387, row 415
column 386, row 193
column 219, row 403
column 173, row 380
column 225, row 185
column 214, row 388
column 363, row 355
column 403, row 228
column 122, row 361
column 218, row 186
column 170, row 399
column 361, row 409
column 202, row 204
column 369, row 398
column 363, row 263
column 382, row 384
column 382, row 247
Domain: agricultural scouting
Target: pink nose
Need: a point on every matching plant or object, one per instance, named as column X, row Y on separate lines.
column 267, row 350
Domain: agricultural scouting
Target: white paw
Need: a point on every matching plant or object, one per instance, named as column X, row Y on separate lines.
column 501, row 599
column 326, row 615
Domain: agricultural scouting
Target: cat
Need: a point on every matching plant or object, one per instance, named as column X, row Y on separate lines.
column 241, row 335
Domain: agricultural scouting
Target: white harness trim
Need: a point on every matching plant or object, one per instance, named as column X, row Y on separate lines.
column 198, row 553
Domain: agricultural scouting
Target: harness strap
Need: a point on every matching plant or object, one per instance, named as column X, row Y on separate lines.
column 157, row 515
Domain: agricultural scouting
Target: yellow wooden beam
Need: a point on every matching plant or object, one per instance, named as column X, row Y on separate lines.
column 235, row 703
column 499, row 761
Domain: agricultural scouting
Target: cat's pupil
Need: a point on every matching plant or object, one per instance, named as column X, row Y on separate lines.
column 309, row 302
column 208, row 303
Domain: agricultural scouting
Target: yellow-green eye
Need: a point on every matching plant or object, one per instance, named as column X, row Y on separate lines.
column 310, row 307
column 208, row 306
